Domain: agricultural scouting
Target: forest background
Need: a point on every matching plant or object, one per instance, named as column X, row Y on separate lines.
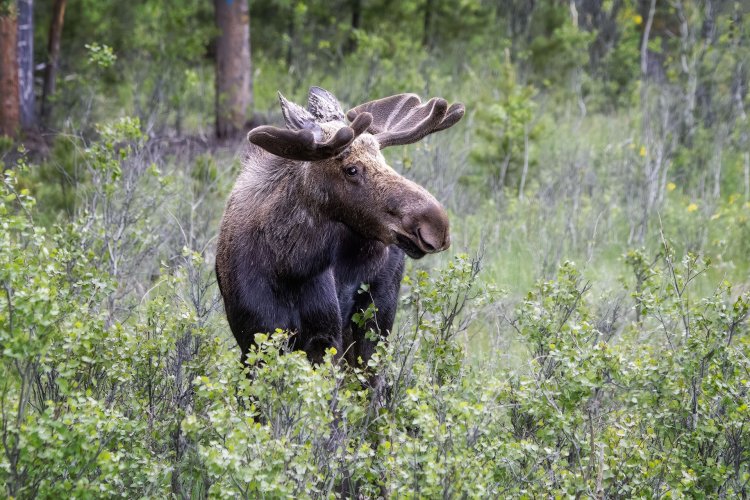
column 586, row 335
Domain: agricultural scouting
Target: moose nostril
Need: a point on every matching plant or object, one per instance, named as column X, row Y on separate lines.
column 424, row 237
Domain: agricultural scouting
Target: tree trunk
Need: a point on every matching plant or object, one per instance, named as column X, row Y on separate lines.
column 427, row 34
column 53, row 55
column 747, row 176
column 26, row 63
column 351, row 44
column 525, row 170
column 290, row 36
column 233, row 70
column 644, row 40
column 10, row 119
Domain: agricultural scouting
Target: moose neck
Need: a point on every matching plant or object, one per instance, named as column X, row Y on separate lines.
column 298, row 233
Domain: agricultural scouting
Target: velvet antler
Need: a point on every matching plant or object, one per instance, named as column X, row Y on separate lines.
column 403, row 119
column 301, row 140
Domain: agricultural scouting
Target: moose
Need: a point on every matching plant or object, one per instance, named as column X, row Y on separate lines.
column 316, row 212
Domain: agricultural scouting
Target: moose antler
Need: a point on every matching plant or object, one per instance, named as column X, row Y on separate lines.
column 324, row 106
column 302, row 139
column 403, row 119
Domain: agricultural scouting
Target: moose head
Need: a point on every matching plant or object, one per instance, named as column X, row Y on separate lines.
column 346, row 176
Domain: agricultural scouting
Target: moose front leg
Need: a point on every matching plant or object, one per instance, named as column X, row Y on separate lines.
column 383, row 293
column 320, row 318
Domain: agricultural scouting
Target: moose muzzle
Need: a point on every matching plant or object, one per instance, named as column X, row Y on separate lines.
column 426, row 230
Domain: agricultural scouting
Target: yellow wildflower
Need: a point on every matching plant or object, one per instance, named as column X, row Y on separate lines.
column 638, row 19
column 671, row 186
column 692, row 207
column 642, row 152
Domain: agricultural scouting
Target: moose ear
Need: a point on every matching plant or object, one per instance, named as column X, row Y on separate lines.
column 324, row 106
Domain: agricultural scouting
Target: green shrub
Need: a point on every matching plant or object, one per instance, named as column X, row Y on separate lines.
column 120, row 383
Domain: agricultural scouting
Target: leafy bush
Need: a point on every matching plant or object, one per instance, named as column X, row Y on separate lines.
column 112, row 392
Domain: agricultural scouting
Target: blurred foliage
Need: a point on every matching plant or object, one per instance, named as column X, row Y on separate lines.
column 508, row 127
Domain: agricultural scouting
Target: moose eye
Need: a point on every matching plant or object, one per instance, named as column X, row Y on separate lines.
column 351, row 171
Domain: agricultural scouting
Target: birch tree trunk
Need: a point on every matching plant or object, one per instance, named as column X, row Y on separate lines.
column 27, row 100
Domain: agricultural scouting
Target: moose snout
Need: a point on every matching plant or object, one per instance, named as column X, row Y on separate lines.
column 429, row 228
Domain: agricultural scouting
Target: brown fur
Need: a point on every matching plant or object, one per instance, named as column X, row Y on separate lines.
column 299, row 237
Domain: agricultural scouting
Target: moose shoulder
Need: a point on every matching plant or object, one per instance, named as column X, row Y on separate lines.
column 317, row 211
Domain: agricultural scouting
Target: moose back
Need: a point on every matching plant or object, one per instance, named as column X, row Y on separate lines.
column 317, row 211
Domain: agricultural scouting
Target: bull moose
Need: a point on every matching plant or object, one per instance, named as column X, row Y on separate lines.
column 317, row 211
